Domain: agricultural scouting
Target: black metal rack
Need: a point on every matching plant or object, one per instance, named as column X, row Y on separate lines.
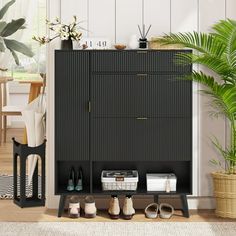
column 22, row 151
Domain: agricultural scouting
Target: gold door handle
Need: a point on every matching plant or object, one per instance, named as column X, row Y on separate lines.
column 89, row 106
column 141, row 118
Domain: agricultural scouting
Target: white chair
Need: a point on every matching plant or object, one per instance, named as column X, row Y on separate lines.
column 6, row 110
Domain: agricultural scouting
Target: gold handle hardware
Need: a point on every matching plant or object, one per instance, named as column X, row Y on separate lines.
column 142, row 75
column 141, row 118
column 89, row 106
column 143, row 52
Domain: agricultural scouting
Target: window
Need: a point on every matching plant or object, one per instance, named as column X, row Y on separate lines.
column 35, row 15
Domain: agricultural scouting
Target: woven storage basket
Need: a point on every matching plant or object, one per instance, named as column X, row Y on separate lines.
column 225, row 194
column 157, row 45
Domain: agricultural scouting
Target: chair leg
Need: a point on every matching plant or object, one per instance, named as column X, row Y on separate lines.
column 5, row 128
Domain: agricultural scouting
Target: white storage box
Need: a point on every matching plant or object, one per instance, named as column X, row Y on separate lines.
column 119, row 180
column 158, row 182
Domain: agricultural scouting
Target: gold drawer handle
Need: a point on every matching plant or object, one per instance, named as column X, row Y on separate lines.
column 141, row 118
column 143, row 52
column 142, row 75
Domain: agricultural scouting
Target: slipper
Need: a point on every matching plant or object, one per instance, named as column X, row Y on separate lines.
column 166, row 210
column 151, row 211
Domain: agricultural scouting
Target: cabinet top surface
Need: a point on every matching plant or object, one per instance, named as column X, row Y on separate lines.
column 125, row 50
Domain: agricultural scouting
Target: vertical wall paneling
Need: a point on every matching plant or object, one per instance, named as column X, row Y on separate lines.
column 184, row 18
column 184, row 15
column 128, row 16
column 102, row 19
column 53, row 10
column 157, row 13
column 210, row 12
column 77, row 8
column 209, row 126
column 231, row 14
column 231, row 9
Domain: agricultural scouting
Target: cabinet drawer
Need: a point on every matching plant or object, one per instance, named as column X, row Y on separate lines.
column 121, row 139
column 141, row 95
column 137, row 61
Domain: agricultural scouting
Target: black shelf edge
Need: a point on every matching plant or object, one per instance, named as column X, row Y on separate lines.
column 140, row 191
column 65, row 192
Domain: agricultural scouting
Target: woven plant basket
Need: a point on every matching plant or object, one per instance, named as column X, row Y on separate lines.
column 225, row 194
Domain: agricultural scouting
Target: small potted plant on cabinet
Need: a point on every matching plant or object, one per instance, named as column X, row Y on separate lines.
column 217, row 52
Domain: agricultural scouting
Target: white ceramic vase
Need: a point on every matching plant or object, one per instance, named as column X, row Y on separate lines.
column 133, row 42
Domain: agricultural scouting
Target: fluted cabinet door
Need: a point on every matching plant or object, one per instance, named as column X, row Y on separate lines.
column 71, row 106
column 141, row 95
column 131, row 139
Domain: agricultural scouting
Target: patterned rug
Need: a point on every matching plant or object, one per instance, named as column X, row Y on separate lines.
column 118, row 229
column 6, row 186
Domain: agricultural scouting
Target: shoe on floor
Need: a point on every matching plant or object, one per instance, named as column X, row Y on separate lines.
column 166, row 210
column 114, row 208
column 151, row 211
column 90, row 209
column 74, row 208
column 128, row 209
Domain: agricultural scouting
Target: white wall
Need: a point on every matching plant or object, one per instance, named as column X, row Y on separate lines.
column 117, row 20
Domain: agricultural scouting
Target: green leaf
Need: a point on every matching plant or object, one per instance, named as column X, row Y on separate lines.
column 15, row 57
column 12, row 27
column 22, row 27
column 202, row 42
column 5, row 8
column 14, row 45
column 2, row 46
column 2, row 25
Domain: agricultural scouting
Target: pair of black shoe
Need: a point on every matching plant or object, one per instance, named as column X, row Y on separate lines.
column 75, row 181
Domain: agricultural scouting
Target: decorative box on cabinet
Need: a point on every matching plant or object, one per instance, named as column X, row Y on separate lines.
column 127, row 109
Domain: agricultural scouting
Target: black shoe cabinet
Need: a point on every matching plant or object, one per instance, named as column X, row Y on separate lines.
column 127, row 109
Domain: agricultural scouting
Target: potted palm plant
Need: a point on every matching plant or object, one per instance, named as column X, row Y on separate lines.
column 8, row 29
column 217, row 52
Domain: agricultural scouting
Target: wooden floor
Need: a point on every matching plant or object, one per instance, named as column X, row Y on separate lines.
column 11, row 212
column 6, row 166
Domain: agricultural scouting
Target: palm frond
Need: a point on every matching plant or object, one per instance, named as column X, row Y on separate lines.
column 223, row 30
column 223, row 95
column 202, row 42
column 216, row 64
column 217, row 52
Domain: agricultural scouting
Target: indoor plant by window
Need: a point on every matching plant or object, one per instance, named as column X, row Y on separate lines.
column 217, row 52
column 8, row 29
